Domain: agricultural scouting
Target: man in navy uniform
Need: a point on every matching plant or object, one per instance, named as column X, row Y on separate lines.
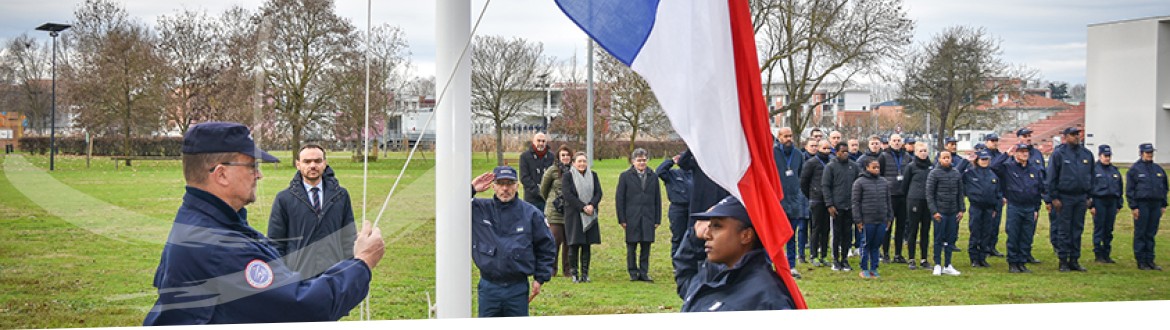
column 1069, row 179
column 678, row 190
column 215, row 268
column 1105, row 202
column 985, row 196
column 1146, row 193
column 991, row 141
column 1023, row 190
column 1024, row 136
column 958, row 162
column 789, row 162
column 510, row 241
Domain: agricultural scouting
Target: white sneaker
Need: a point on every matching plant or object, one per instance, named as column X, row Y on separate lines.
column 938, row 270
column 853, row 252
column 950, row 270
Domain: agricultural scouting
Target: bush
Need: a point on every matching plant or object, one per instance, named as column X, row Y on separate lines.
column 106, row 146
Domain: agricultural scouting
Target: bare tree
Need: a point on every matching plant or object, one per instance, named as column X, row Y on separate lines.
column 194, row 60
column 239, row 86
column 811, row 45
column 307, row 42
column 116, row 80
column 634, row 104
column 28, row 63
column 389, row 59
column 502, row 75
column 955, row 74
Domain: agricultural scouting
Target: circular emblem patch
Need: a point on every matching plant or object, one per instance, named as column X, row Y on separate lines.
column 258, row 274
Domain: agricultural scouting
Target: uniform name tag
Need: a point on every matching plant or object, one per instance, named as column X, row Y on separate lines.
column 788, row 173
column 899, row 178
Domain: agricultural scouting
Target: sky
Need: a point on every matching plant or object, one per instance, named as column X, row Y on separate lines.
column 1048, row 36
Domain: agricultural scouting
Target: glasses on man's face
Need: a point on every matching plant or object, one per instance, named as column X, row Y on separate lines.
column 254, row 165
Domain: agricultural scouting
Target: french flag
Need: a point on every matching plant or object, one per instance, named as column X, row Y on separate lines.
column 699, row 58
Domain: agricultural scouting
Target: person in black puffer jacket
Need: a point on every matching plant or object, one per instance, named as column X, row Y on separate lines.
column 918, row 214
column 838, row 183
column 871, row 214
column 810, row 185
column 944, row 195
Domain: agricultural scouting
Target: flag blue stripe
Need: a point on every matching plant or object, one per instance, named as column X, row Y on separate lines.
column 619, row 26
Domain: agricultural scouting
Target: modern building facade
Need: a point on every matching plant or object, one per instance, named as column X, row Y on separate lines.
column 1128, row 79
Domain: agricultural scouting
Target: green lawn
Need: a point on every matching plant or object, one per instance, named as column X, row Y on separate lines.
column 78, row 248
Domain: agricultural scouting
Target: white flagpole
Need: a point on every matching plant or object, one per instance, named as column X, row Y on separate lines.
column 589, row 105
column 453, row 161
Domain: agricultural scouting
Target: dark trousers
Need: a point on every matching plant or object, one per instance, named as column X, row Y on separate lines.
column 946, row 233
column 1069, row 226
column 842, row 235
column 795, row 243
column 1020, row 227
column 677, row 214
column 898, row 233
column 503, row 299
column 997, row 221
column 1105, row 209
column 579, row 255
column 1144, row 229
column 871, row 239
column 642, row 266
column 918, row 227
column 819, row 239
column 558, row 232
column 856, row 237
column 981, row 225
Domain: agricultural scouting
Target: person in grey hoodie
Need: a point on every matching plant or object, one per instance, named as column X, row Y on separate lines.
column 838, row 183
column 871, row 214
column 944, row 196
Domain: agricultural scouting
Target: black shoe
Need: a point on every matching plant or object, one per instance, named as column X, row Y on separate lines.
column 1076, row 265
column 1100, row 260
column 984, row 263
column 803, row 260
column 899, row 260
column 913, row 266
column 1023, row 268
column 1153, row 266
column 645, row 278
column 1014, row 268
column 576, row 279
column 1109, row 260
column 1143, row 266
column 924, row 264
column 885, row 259
column 1064, row 265
column 956, row 248
column 635, row 277
column 976, row 264
column 995, row 253
column 585, row 278
column 1032, row 260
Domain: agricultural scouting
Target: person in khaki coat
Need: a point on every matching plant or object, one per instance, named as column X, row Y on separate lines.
column 639, row 211
column 550, row 189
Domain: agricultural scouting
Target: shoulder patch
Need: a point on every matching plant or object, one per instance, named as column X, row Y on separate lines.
column 258, row 274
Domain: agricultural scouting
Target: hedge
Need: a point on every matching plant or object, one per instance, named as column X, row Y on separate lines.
column 106, row 146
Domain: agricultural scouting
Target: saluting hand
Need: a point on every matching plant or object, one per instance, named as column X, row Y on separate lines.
column 483, row 181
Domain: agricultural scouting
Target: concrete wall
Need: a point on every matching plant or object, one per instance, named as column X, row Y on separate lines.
column 1128, row 81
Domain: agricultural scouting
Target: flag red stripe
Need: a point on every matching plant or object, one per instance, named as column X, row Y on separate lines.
column 760, row 185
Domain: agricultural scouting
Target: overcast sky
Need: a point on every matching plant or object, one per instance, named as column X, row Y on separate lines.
column 1046, row 35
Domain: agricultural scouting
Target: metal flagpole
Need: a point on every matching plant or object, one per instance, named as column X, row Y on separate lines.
column 453, row 161
column 589, row 105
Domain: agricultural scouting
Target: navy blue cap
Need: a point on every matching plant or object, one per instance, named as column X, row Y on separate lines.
column 980, row 146
column 1024, row 131
column 728, row 207
column 1105, row 150
column 911, row 140
column 504, row 172
column 1023, row 146
column 1071, row 130
column 983, row 154
column 991, row 137
column 1147, row 147
column 950, row 139
column 214, row 137
column 884, row 140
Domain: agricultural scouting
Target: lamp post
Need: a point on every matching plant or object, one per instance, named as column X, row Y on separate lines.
column 54, row 30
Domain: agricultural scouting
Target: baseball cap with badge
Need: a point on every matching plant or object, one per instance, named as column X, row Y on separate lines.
column 1023, row 146
column 1071, row 130
column 213, row 137
column 1105, row 150
column 1024, row 131
column 504, row 173
column 1147, row 147
column 950, row 139
column 991, row 137
column 728, row 207
column 983, row 154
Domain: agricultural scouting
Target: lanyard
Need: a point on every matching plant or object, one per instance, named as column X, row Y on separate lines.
column 789, row 161
column 898, row 160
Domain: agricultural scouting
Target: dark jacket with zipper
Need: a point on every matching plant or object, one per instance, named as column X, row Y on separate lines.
column 914, row 178
column 982, row 187
column 750, row 284
column 638, row 204
column 838, row 183
column 532, row 169
column 810, row 177
column 944, row 190
column 871, row 200
column 311, row 240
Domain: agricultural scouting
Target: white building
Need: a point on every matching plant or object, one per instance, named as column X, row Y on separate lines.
column 1128, row 95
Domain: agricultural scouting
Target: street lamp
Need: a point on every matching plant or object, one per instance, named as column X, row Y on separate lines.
column 54, row 30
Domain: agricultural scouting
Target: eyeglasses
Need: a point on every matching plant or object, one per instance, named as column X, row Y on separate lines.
column 254, row 165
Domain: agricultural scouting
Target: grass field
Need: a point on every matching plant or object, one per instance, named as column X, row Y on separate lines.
column 79, row 247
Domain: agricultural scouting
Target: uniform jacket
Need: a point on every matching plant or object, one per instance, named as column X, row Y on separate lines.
column 838, row 183
column 789, row 163
column 217, row 269
column 1070, row 171
column 575, row 233
column 704, row 191
column 1022, row 184
column 982, row 187
column 871, row 200
column 1107, row 182
column 810, row 177
column 510, row 241
column 750, row 284
column 312, row 241
column 892, row 162
column 944, row 191
column 532, row 169
column 550, row 190
column 1146, row 182
column 677, row 181
column 914, row 178
column 638, row 203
